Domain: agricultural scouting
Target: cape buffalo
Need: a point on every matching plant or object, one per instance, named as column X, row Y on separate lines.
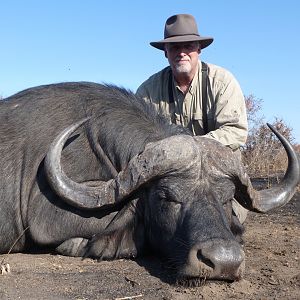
column 93, row 171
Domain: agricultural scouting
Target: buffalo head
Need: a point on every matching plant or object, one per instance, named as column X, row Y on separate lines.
column 184, row 186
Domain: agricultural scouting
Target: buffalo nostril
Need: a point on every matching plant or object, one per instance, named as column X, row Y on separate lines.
column 204, row 259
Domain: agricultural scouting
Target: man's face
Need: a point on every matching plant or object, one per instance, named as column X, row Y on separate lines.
column 183, row 57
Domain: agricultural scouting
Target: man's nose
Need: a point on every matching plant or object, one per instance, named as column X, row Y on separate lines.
column 181, row 52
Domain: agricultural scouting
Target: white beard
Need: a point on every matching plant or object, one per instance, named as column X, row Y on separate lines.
column 183, row 68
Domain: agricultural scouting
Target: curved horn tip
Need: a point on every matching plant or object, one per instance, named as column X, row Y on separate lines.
column 272, row 127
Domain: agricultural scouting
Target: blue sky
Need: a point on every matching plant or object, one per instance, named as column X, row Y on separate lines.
column 46, row 42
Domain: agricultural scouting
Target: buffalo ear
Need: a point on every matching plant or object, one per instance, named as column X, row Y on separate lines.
column 114, row 245
column 122, row 238
column 244, row 192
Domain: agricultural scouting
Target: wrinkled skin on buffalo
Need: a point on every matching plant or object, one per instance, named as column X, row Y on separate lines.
column 92, row 171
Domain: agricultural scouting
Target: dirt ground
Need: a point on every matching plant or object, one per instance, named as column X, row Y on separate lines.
column 272, row 244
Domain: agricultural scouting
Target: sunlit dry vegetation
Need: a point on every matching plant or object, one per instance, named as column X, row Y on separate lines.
column 263, row 153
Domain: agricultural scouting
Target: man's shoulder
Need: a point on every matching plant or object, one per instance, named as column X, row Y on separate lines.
column 154, row 84
column 221, row 79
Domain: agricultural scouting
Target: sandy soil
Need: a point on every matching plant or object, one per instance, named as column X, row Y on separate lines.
column 272, row 244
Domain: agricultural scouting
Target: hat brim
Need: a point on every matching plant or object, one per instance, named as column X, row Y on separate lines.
column 204, row 41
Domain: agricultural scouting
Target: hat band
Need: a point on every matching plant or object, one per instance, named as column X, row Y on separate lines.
column 175, row 35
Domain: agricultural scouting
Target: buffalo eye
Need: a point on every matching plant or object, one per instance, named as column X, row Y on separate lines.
column 167, row 196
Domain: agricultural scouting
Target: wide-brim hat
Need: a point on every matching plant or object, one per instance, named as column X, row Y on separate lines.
column 181, row 28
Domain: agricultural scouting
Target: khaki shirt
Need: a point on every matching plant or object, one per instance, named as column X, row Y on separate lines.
column 226, row 111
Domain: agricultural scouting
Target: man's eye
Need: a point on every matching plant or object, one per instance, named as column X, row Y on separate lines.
column 190, row 47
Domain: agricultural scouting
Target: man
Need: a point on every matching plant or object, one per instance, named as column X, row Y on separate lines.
column 203, row 97
column 225, row 108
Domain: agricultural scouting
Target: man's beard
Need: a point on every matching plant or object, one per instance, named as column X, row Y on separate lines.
column 183, row 68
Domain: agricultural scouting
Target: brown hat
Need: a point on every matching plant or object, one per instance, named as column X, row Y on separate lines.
column 182, row 28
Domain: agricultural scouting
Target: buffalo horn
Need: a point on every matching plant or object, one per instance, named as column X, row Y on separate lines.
column 76, row 194
column 157, row 159
column 268, row 199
